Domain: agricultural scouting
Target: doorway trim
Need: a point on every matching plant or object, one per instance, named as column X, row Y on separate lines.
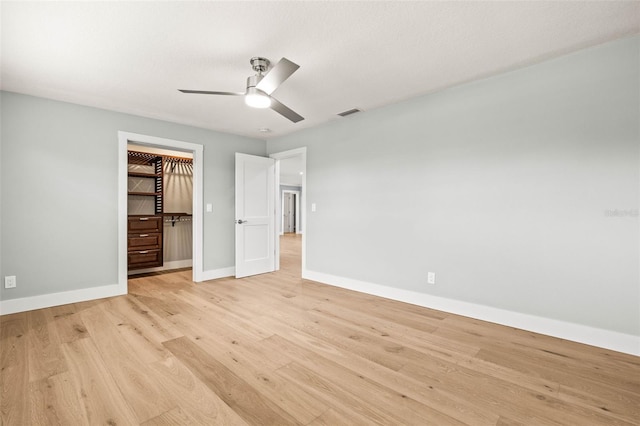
column 303, row 205
column 297, row 213
column 124, row 138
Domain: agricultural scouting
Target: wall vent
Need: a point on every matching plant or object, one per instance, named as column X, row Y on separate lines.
column 349, row 112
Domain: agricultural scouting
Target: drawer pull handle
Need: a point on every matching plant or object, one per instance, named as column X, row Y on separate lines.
column 144, row 235
column 143, row 252
column 144, row 218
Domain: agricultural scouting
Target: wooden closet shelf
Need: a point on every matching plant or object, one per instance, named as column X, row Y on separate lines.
column 142, row 158
column 155, row 194
column 144, row 175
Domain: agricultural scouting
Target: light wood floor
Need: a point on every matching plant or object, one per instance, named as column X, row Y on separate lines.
column 277, row 350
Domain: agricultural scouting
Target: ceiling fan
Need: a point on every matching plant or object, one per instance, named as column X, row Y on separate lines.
column 260, row 86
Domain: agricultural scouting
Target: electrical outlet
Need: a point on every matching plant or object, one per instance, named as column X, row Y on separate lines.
column 10, row 281
column 431, row 278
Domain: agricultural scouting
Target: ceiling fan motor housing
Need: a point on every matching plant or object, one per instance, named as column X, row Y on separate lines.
column 253, row 80
column 259, row 64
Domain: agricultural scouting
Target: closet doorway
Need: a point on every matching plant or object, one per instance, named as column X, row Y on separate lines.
column 177, row 217
column 159, row 209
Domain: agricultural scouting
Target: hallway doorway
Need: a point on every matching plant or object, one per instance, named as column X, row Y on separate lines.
column 291, row 177
column 290, row 212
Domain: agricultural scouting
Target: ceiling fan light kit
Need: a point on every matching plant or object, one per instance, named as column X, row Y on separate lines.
column 260, row 86
column 256, row 99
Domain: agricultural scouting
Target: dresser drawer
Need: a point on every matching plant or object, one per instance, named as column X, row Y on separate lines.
column 144, row 224
column 144, row 259
column 144, row 242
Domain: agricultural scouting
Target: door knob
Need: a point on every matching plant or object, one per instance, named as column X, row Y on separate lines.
column 240, row 221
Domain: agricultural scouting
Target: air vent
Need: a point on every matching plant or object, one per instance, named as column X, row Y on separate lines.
column 351, row 111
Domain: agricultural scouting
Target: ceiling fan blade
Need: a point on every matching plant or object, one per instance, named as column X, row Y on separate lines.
column 204, row 92
column 279, row 73
column 285, row 111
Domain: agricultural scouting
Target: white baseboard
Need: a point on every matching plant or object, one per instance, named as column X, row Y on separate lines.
column 11, row 306
column 214, row 274
column 23, row 304
column 616, row 341
column 166, row 266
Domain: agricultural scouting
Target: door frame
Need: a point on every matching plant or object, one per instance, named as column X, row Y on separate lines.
column 297, row 213
column 303, row 204
column 124, row 138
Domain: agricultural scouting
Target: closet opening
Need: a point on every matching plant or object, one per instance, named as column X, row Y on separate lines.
column 159, row 209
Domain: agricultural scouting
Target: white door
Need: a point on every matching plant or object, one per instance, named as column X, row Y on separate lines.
column 255, row 215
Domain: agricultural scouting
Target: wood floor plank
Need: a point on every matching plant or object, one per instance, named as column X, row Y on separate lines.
column 67, row 323
column 505, row 421
column 45, row 357
column 95, row 388
column 14, row 390
column 256, row 363
column 427, row 342
column 207, row 309
column 450, row 405
column 136, row 382
column 573, row 376
column 333, row 417
column 137, row 316
column 326, row 391
column 617, row 404
column 515, row 401
column 234, row 391
column 13, row 338
column 163, row 303
column 191, row 396
column 141, row 328
column 53, row 402
column 396, row 405
column 176, row 416
column 14, row 370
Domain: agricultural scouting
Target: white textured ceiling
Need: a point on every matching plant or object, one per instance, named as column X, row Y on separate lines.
column 133, row 56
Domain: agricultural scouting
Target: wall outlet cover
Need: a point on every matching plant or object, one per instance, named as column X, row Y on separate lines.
column 10, row 281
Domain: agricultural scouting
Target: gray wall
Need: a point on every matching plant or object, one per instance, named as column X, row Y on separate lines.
column 505, row 187
column 59, row 191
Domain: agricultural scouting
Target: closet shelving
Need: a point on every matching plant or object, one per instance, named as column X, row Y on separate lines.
column 153, row 164
column 144, row 242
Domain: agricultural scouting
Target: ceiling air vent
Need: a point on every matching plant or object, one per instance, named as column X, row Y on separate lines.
column 351, row 111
